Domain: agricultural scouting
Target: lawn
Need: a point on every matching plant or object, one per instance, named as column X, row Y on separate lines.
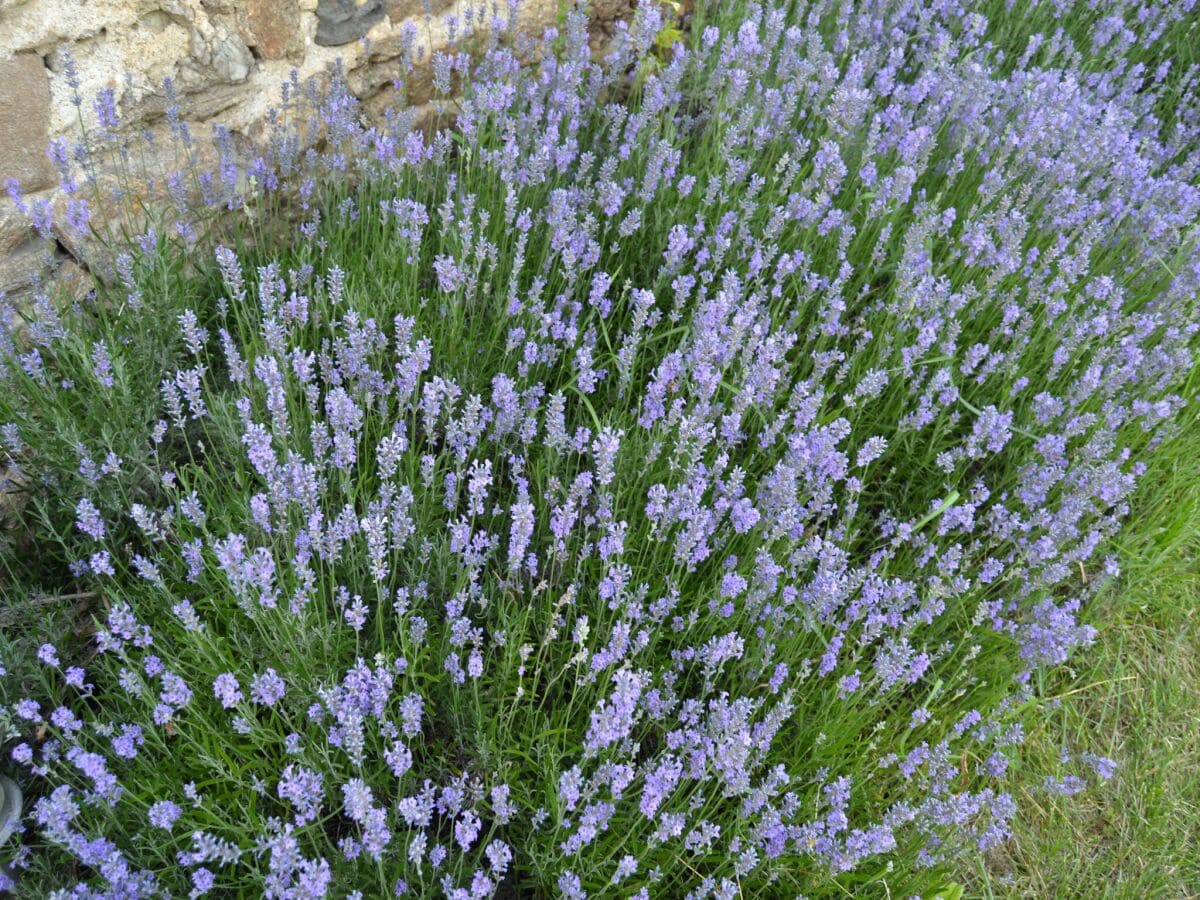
column 1133, row 696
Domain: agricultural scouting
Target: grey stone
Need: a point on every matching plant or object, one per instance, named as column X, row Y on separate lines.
column 10, row 807
column 343, row 21
column 20, row 269
column 15, row 227
column 231, row 59
column 25, row 122
column 199, row 106
column 71, row 280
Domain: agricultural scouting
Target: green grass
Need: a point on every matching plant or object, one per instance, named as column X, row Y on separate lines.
column 1134, row 696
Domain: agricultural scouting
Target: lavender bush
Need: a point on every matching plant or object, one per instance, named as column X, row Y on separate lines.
column 666, row 482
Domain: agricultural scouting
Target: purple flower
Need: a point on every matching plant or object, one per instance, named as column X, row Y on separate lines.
column 227, row 690
column 466, row 829
column 65, row 720
column 267, row 689
column 1103, row 766
column 871, row 451
column 102, row 364
column 613, row 719
column 126, row 744
column 100, row 563
column 164, row 814
column 76, row 677
column 499, row 856
column 105, row 107
column 450, row 277
column 412, row 708
column 571, row 887
column 48, row 655
column 743, row 515
column 29, row 710
column 399, row 758
column 358, row 799
column 175, row 692
column 202, row 881
column 303, row 789
column 1065, row 786
column 88, row 519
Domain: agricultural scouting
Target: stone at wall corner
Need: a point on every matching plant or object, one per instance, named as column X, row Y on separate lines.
column 343, row 21
column 25, row 122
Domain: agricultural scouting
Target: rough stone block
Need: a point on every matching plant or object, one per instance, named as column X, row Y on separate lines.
column 71, row 280
column 24, row 122
column 15, row 227
column 399, row 10
column 21, row 268
column 343, row 21
column 272, row 28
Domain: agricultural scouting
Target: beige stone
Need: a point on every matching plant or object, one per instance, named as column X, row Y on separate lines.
column 25, row 122
column 534, row 16
column 272, row 28
column 601, row 31
column 195, row 107
column 605, row 12
column 132, row 61
column 21, row 268
column 417, row 83
column 71, row 280
column 40, row 25
column 15, row 228
column 400, row 10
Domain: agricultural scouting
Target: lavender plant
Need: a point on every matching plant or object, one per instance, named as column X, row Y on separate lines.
column 664, row 482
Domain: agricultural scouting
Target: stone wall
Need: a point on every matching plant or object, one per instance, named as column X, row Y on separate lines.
column 227, row 60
